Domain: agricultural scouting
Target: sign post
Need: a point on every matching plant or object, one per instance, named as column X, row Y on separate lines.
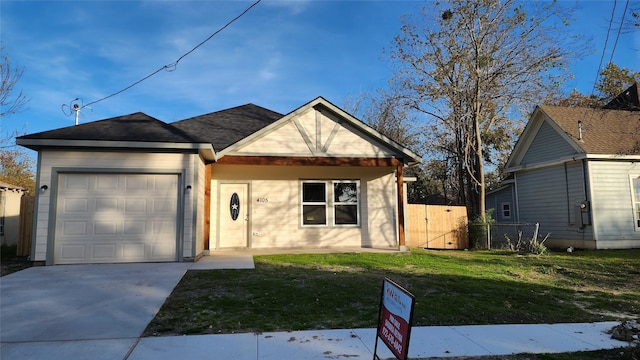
column 394, row 319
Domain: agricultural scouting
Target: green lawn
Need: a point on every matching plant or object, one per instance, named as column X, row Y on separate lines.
column 324, row 291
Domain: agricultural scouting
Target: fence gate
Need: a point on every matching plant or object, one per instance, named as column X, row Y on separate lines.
column 26, row 226
column 437, row 226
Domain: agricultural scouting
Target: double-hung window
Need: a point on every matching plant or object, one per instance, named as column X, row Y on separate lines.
column 330, row 203
column 506, row 210
column 314, row 203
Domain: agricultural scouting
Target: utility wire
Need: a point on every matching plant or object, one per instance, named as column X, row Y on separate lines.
column 172, row 66
column 613, row 11
column 619, row 31
column 615, row 44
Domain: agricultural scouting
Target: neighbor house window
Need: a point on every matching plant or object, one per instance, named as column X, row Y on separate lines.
column 326, row 203
column 636, row 201
column 506, row 210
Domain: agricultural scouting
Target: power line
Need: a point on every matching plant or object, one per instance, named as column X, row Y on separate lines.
column 613, row 11
column 172, row 66
column 619, row 30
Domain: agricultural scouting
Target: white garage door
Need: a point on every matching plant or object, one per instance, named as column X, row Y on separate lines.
column 105, row 218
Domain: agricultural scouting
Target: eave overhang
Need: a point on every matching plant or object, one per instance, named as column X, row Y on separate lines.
column 205, row 150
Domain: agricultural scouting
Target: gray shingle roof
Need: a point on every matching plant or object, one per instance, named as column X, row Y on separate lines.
column 136, row 127
column 226, row 127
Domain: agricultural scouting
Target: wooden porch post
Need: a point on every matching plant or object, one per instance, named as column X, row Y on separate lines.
column 207, row 205
column 400, row 186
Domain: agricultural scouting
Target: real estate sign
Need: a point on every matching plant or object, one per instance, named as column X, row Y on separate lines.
column 396, row 315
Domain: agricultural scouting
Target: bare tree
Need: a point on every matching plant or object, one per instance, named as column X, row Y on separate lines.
column 471, row 66
column 386, row 111
column 12, row 100
column 15, row 164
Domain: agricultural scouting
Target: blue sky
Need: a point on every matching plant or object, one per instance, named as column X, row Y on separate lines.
column 280, row 55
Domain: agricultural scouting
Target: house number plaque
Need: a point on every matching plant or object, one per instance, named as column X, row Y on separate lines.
column 263, row 200
column 234, row 206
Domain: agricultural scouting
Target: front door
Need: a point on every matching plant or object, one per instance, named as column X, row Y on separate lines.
column 234, row 215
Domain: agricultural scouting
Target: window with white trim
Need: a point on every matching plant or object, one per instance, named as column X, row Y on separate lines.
column 314, row 203
column 330, row 203
column 506, row 210
column 345, row 203
column 636, row 201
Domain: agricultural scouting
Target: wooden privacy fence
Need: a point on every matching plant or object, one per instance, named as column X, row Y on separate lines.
column 26, row 228
column 437, row 226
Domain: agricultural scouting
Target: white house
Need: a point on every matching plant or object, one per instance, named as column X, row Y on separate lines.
column 135, row 189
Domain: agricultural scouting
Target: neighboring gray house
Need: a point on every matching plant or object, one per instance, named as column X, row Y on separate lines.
column 502, row 200
column 576, row 171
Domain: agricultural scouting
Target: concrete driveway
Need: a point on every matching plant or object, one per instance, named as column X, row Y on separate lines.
column 107, row 307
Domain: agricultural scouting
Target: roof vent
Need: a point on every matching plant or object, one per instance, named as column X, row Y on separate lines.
column 580, row 130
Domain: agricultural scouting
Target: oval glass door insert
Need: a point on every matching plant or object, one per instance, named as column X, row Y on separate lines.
column 234, row 206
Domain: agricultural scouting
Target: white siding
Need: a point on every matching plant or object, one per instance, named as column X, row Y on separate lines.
column 551, row 196
column 276, row 222
column 286, row 140
column 313, row 133
column 612, row 203
column 109, row 161
column 547, row 145
column 198, row 189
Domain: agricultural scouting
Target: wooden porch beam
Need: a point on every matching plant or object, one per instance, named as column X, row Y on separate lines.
column 308, row 161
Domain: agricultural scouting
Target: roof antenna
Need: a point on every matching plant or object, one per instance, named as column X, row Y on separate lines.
column 75, row 106
column 579, row 129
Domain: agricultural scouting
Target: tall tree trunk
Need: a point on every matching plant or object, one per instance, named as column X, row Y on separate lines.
column 480, row 174
column 479, row 160
column 461, row 198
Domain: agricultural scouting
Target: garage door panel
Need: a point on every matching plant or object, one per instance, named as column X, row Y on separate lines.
column 105, row 228
column 135, row 228
column 164, row 185
column 76, row 205
column 72, row 252
column 76, row 183
column 116, row 218
column 75, row 228
column 161, row 250
column 166, row 205
column 104, row 251
column 107, row 182
column 135, row 205
column 163, row 227
column 135, row 183
column 133, row 251
column 106, row 205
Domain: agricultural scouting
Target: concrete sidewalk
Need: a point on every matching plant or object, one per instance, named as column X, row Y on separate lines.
column 426, row 342
column 100, row 312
